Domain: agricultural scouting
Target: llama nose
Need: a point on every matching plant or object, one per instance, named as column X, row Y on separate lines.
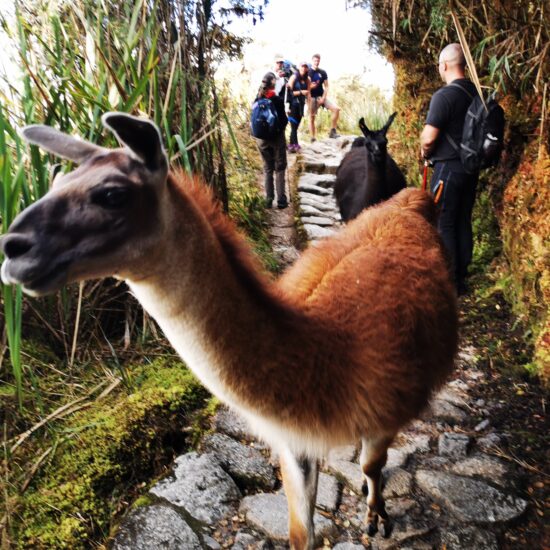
column 16, row 244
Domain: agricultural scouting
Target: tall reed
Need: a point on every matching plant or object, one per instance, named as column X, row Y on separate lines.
column 78, row 60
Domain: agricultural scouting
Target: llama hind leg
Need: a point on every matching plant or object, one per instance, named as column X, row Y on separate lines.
column 300, row 475
column 374, row 452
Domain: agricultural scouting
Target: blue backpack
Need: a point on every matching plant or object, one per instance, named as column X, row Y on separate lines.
column 264, row 122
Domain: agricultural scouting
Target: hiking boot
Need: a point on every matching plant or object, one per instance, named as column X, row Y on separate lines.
column 462, row 288
column 282, row 204
column 313, row 140
column 291, row 148
column 297, row 148
column 333, row 133
column 268, row 203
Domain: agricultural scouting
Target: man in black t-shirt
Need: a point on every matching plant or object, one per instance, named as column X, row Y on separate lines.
column 318, row 97
column 440, row 143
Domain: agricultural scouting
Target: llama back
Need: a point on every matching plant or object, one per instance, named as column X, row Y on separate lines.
column 417, row 201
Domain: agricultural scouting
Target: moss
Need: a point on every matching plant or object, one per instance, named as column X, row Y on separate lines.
column 105, row 454
column 526, row 238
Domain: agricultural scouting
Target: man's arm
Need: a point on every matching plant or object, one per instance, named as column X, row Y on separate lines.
column 325, row 91
column 428, row 137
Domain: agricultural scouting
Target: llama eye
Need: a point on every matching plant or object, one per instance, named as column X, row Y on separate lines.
column 111, row 197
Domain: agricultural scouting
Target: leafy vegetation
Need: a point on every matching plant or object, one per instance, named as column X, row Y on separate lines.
column 73, row 397
column 509, row 42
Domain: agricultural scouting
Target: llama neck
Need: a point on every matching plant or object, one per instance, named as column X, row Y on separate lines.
column 224, row 321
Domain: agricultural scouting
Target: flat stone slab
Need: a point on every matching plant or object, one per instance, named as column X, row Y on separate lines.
column 322, row 180
column 448, row 412
column 314, row 189
column 248, row 541
column 348, row 453
column 328, row 492
column 469, row 499
column 348, row 546
column 485, row 466
column 201, row 487
column 313, row 166
column 246, row 465
column 327, row 205
column 468, row 538
column 416, row 444
column 155, row 527
column 349, row 473
column 308, row 210
column 453, row 396
column 398, row 483
column 315, row 232
column 332, row 164
column 453, row 445
column 397, row 458
column 399, row 507
column 321, row 221
column 400, row 535
column 229, row 422
column 268, row 513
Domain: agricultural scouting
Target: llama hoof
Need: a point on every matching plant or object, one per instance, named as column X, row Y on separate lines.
column 365, row 489
column 385, row 528
column 371, row 528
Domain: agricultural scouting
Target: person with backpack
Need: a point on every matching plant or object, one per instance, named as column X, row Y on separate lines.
column 298, row 86
column 451, row 183
column 318, row 98
column 283, row 71
column 268, row 123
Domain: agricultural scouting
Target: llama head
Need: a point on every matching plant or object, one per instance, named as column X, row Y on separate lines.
column 376, row 141
column 100, row 219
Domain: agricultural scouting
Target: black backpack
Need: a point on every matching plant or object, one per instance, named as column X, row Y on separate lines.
column 264, row 122
column 483, row 134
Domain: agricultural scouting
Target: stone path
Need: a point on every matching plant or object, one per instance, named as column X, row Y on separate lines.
column 443, row 487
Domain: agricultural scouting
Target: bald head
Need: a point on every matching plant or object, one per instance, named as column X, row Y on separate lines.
column 452, row 55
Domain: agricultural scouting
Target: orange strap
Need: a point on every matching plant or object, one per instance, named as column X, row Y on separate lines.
column 425, row 176
column 439, row 191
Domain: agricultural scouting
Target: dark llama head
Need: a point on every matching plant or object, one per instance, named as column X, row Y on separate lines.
column 375, row 141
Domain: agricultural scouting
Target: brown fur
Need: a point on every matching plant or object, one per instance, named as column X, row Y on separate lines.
column 349, row 344
column 367, row 325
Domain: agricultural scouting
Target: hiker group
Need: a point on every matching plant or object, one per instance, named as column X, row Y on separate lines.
column 462, row 134
column 282, row 98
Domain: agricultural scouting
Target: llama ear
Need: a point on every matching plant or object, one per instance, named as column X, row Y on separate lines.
column 364, row 127
column 141, row 136
column 390, row 120
column 60, row 144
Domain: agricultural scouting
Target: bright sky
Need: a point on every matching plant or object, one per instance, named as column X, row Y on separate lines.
column 296, row 29
column 299, row 28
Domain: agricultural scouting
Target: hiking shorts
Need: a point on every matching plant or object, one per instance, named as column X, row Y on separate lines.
column 314, row 105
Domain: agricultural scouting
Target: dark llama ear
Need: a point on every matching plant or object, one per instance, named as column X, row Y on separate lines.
column 60, row 144
column 390, row 120
column 141, row 136
column 364, row 128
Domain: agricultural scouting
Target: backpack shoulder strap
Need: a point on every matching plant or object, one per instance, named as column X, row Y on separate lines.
column 456, row 85
column 453, row 143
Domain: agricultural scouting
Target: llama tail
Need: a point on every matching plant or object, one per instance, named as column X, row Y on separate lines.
column 418, row 201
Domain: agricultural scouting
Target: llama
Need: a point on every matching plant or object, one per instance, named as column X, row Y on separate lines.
column 347, row 346
column 367, row 174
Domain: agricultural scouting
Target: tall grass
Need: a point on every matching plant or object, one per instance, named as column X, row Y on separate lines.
column 12, row 195
column 76, row 61
column 356, row 100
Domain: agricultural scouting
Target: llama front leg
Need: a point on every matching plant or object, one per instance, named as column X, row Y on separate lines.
column 300, row 475
column 374, row 452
